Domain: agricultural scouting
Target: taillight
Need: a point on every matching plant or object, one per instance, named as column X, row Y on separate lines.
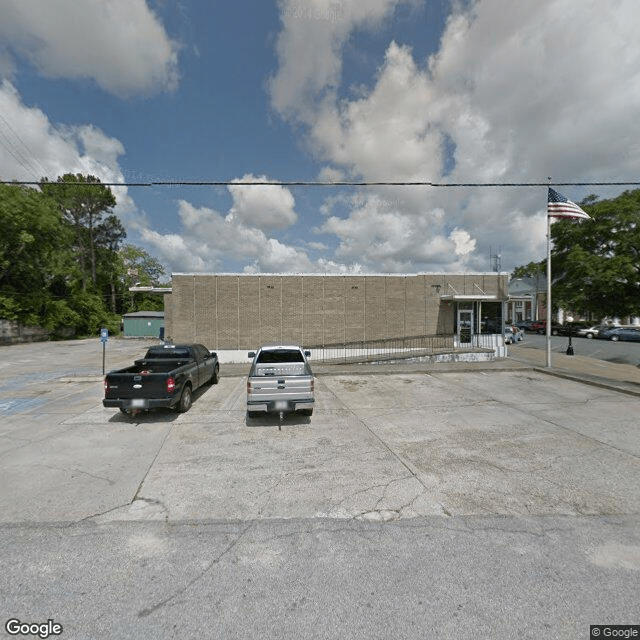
column 313, row 383
column 248, row 386
column 171, row 385
column 106, row 386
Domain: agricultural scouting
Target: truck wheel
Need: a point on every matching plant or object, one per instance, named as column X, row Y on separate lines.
column 216, row 375
column 185, row 400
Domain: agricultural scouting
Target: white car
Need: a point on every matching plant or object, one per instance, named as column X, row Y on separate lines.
column 595, row 331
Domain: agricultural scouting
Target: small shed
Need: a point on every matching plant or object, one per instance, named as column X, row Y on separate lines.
column 143, row 324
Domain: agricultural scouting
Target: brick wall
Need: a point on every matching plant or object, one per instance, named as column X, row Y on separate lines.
column 244, row 311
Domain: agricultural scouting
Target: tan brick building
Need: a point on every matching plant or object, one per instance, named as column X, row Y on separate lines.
column 237, row 311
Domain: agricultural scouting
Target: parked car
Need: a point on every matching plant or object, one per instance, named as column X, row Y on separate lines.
column 572, row 328
column 513, row 334
column 280, row 380
column 166, row 377
column 525, row 325
column 622, row 333
column 594, row 331
column 540, row 327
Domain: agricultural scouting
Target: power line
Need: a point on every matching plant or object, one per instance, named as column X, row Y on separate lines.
column 304, row 183
column 13, row 147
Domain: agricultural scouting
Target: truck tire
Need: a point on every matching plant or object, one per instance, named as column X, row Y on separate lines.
column 216, row 375
column 185, row 399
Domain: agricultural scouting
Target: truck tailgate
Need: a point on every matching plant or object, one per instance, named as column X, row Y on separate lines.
column 132, row 385
column 280, row 386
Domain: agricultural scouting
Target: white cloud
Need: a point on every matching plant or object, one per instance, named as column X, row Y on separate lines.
column 208, row 240
column 517, row 92
column 31, row 148
column 268, row 207
column 463, row 241
column 309, row 48
column 120, row 44
column 331, row 174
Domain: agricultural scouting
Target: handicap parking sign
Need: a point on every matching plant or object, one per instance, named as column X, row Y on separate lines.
column 104, row 335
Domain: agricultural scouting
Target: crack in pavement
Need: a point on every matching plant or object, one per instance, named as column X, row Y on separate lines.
column 376, row 436
column 147, row 611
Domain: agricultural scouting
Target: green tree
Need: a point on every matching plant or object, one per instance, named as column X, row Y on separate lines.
column 109, row 236
column 83, row 201
column 535, row 270
column 137, row 267
column 596, row 263
column 35, row 258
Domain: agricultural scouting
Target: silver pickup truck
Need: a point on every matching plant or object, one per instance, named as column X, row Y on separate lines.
column 280, row 380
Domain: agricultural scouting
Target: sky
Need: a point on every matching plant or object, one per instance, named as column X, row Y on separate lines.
column 441, row 91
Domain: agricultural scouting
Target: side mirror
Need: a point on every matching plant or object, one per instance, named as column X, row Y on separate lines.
column 251, row 354
column 307, row 353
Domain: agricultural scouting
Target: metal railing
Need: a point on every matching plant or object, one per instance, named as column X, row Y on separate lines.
column 382, row 349
column 403, row 348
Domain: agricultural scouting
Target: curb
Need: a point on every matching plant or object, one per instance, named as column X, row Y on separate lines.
column 603, row 383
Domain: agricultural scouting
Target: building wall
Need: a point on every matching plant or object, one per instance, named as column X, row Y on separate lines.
column 235, row 311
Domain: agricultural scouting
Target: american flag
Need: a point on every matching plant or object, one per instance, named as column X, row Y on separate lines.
column 560, row 207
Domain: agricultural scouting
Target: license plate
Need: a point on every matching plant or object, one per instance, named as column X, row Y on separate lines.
column 281, row 405
column 137, row 403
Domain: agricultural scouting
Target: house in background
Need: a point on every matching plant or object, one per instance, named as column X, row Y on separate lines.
column 526, row 299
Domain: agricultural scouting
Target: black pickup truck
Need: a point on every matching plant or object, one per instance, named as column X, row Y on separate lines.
column 166, row 377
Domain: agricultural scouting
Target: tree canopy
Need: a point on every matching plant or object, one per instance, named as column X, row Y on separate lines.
column 595, row 263
column 63, row 265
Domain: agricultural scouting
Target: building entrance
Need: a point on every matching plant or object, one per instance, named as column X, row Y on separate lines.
column 465, row 324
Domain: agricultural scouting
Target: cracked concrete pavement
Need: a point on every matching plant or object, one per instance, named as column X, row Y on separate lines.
column 551, row 466
column 377, row 447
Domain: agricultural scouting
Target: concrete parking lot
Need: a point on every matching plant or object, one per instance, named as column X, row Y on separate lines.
column 406, row 447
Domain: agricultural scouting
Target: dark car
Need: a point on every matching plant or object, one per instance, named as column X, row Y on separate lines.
column 572, row 328
column 525, row 325
column 622, row 333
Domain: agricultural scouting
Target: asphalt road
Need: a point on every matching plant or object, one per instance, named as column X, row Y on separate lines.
column 618, row 352
column 448, row 504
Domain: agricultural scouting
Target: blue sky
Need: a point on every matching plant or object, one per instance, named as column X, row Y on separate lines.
column 320, row 90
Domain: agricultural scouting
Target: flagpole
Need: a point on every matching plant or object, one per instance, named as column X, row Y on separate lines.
column 559, row 206
column 548, row 290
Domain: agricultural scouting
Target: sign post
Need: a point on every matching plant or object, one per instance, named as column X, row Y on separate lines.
column 104, row 337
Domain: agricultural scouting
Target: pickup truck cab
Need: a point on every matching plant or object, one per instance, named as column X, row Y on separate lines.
column 280, row 380
column 166, row 377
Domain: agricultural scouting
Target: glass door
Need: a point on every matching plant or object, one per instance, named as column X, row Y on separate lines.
column 465, row 324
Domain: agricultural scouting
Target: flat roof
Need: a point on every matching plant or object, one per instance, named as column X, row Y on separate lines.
column 144, row 314
column 353, row 275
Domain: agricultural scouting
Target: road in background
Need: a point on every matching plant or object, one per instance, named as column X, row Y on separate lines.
column 616, row 352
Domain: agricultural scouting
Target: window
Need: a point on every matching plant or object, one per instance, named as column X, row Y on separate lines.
column 278, row 356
